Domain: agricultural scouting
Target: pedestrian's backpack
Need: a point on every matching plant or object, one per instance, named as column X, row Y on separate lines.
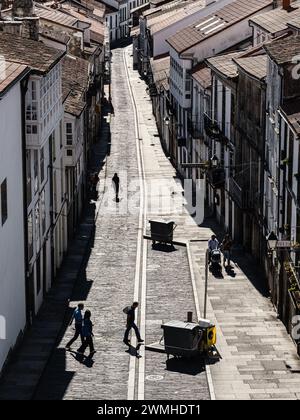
column 126, row 310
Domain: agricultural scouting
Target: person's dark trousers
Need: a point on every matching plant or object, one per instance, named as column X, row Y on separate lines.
column 88, row 342
column 117, row 191
column 134, row 326
column 78, row 332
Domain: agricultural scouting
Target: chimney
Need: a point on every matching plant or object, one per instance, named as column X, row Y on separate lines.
column 286, row 4
column 23, row 12
column 22, row 8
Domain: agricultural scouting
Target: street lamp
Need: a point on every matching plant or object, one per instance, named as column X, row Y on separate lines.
column 214, row 161
column 272, row 240
column 167, row 120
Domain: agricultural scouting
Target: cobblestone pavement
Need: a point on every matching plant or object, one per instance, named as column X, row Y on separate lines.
column 254, row 344
column 110, row 270
column 255, row 347
column 110, row 273
column 169, row 286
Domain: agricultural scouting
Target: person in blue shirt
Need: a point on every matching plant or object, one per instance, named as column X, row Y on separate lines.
column 77, row 317
column 87, row 332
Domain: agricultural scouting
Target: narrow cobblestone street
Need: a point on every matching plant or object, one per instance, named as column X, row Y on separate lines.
column 111, row 271
column 122, row 267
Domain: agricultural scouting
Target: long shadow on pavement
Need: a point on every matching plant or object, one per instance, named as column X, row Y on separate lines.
column 188, row 366
column 55, row 375
column 247, row 264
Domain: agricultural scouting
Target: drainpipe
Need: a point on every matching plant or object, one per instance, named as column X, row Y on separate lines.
column 24, row 86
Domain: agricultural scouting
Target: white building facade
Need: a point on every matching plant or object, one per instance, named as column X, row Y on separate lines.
column 12, row 216
column 47, row 230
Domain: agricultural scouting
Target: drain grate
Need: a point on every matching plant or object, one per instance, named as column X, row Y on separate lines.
column 154, row 378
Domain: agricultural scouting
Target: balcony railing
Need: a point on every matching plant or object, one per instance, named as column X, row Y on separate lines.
column 216, row 177
column 194, row 129
column 241, row 196
column 211, row 128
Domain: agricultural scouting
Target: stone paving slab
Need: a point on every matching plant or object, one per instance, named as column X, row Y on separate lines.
column 169, row 286
column 253, row 342
column 169, row 297
column 38, row 343
column 110, row 272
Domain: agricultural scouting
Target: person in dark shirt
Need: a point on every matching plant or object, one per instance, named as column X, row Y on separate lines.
column 116, row 181
column 87, row 332
column 77, row 317
column 226, row 249
column 131, row 324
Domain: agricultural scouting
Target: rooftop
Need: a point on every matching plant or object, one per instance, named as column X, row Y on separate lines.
column 283, row 51
column 276, row 20
column 153, row 13
column 161, row 71
column 159, row 2
column 294, row 23
column 202, row 74
column 10, row 73
column 55, row 15
column 135, row 31
column 215, row 23
column 75, row 81
column 224, row 64
column 177, row 13
column 140, row 8
column 255, row 66
column 33, row 54
column 53, row 34
column 97, row 28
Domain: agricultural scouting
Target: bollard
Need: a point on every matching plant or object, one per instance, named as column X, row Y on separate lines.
column 190, row 316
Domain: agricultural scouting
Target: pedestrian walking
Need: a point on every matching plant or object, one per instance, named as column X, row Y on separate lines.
column 116, row 181
column 130, row 311
column 87, row 332
column 226, row 249
column 77, row 317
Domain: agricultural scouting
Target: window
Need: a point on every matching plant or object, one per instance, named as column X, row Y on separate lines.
column 61, row 180
column 35, row 170
column 28, row 177
column 52, row 149
column 54, row 193
column 43, row 212
column 42, row 164
column 38, row 275
column 37, row 224
column 4, row 201
column 30, row 236
column 69, row 134
column 60, row 135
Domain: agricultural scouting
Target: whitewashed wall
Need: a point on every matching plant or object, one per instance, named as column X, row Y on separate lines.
column 12, row 269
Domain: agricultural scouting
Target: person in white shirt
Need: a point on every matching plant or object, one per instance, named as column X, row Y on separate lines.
column 213, row 243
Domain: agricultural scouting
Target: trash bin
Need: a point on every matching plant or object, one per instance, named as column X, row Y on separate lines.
column 182, row 338
column 162, row 231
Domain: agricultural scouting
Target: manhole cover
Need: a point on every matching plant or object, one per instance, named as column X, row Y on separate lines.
column 154, row 377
